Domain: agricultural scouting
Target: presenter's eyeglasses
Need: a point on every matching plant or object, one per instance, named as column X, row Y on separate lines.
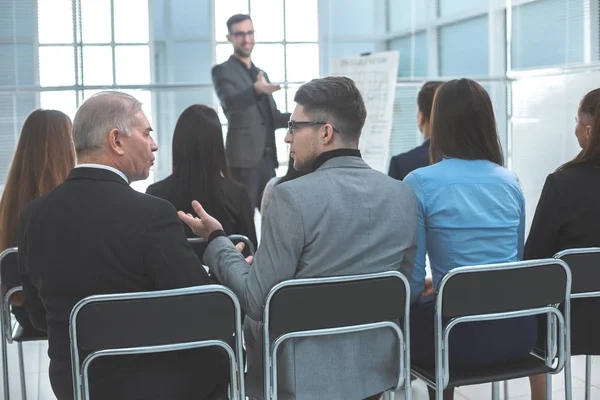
column 242, row 35
column 299, row 124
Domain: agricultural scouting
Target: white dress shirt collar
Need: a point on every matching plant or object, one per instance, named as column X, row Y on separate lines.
column 106, row 167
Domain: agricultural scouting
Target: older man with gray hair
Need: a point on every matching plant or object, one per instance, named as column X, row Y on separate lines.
column 94, row 234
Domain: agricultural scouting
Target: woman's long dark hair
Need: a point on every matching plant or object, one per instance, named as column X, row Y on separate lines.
column 199, row 161
column 463, row 124
column 590, row 106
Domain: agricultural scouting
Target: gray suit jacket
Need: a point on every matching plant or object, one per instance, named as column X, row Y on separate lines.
column 247, row 126
column 343, row 219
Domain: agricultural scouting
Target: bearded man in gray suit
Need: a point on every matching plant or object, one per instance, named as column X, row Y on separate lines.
column 343, row 218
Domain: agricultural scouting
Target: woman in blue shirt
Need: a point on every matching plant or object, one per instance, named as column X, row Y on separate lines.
column 471, row 212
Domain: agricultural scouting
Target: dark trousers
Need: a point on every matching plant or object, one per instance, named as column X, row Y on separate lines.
column 255, row 178
column 471, row 343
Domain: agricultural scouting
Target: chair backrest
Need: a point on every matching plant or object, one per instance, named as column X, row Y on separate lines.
column 499, row 288
column 322, row 303
column 9, row 267
column 585, row 269
column 147, row 319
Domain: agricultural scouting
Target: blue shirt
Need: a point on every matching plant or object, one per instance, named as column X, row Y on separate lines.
column 470, row 212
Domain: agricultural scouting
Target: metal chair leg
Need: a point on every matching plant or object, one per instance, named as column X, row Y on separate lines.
column 505, row 390
column 22, row 371
column 4, row 359
column 495, row 390
column 588, row 377
column 548, row 387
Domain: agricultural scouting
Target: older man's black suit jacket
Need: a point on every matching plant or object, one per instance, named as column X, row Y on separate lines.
column 96, row 235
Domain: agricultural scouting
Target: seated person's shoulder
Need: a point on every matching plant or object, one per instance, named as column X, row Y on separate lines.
column 160, row 187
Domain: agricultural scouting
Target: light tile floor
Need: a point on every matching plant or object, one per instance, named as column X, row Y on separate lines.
column 38, row 385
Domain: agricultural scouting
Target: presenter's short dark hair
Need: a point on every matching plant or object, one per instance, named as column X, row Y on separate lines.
column 236, row 19
column 337, row 100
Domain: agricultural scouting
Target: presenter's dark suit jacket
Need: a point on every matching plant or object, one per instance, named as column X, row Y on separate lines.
column 248, row 120
column 92, row 235
column 403, row 164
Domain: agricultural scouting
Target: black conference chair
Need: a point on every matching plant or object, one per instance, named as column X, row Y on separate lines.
column 500, row 291
column 585, row 269
column 311, row 307
column 94, row 327
column 12, row 331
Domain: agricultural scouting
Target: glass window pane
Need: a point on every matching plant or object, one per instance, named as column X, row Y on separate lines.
column 403, row 16
column 57, row 66
column 267, row 16
column 534, row 45
column 65, row 101
column 290, row 93
column 131, row 21
column 224, row 10
column 223, row 52
column 55, row 21
column 464, row 48
column 279, row 97
column 132, row 65
column 89, row 93
column 302, row 62
column 301, row 21
column 411, row 64
column 97, row 65
column 269, row 57
column 95, row 21
column 450, row 7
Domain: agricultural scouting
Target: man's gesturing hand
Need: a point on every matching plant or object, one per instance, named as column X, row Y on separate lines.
column 261, row 86
column 203, row 224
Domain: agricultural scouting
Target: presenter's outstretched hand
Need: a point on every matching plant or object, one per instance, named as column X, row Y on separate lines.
column 203, row 224
column 261, row 86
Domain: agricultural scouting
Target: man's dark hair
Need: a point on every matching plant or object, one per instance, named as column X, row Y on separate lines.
column 425, row 97
column 236, row 19
column 337, row 100
column 463, row 124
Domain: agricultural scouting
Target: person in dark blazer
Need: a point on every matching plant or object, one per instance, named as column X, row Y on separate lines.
column 94, row 234
column 403, row 164
column 200, row 172
column 567, row 217
column 252, row 115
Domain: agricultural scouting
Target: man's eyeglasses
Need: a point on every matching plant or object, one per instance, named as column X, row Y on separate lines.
column 241, row 35
column 299, row 124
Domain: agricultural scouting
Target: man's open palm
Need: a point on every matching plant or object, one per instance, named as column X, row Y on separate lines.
column 203, row 224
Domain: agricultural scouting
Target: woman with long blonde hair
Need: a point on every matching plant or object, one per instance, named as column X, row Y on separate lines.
column 42, row 160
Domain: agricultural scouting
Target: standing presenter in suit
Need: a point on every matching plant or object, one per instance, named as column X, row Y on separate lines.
column 245, row 94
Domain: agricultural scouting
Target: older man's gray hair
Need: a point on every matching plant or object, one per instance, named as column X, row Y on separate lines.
column 100, row 114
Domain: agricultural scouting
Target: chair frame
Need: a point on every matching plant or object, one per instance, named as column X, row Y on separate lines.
column 583, row 295
column 233, row 237
column 442, row 364
column 81, row 373
column 8, row 332
column 270, row 351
